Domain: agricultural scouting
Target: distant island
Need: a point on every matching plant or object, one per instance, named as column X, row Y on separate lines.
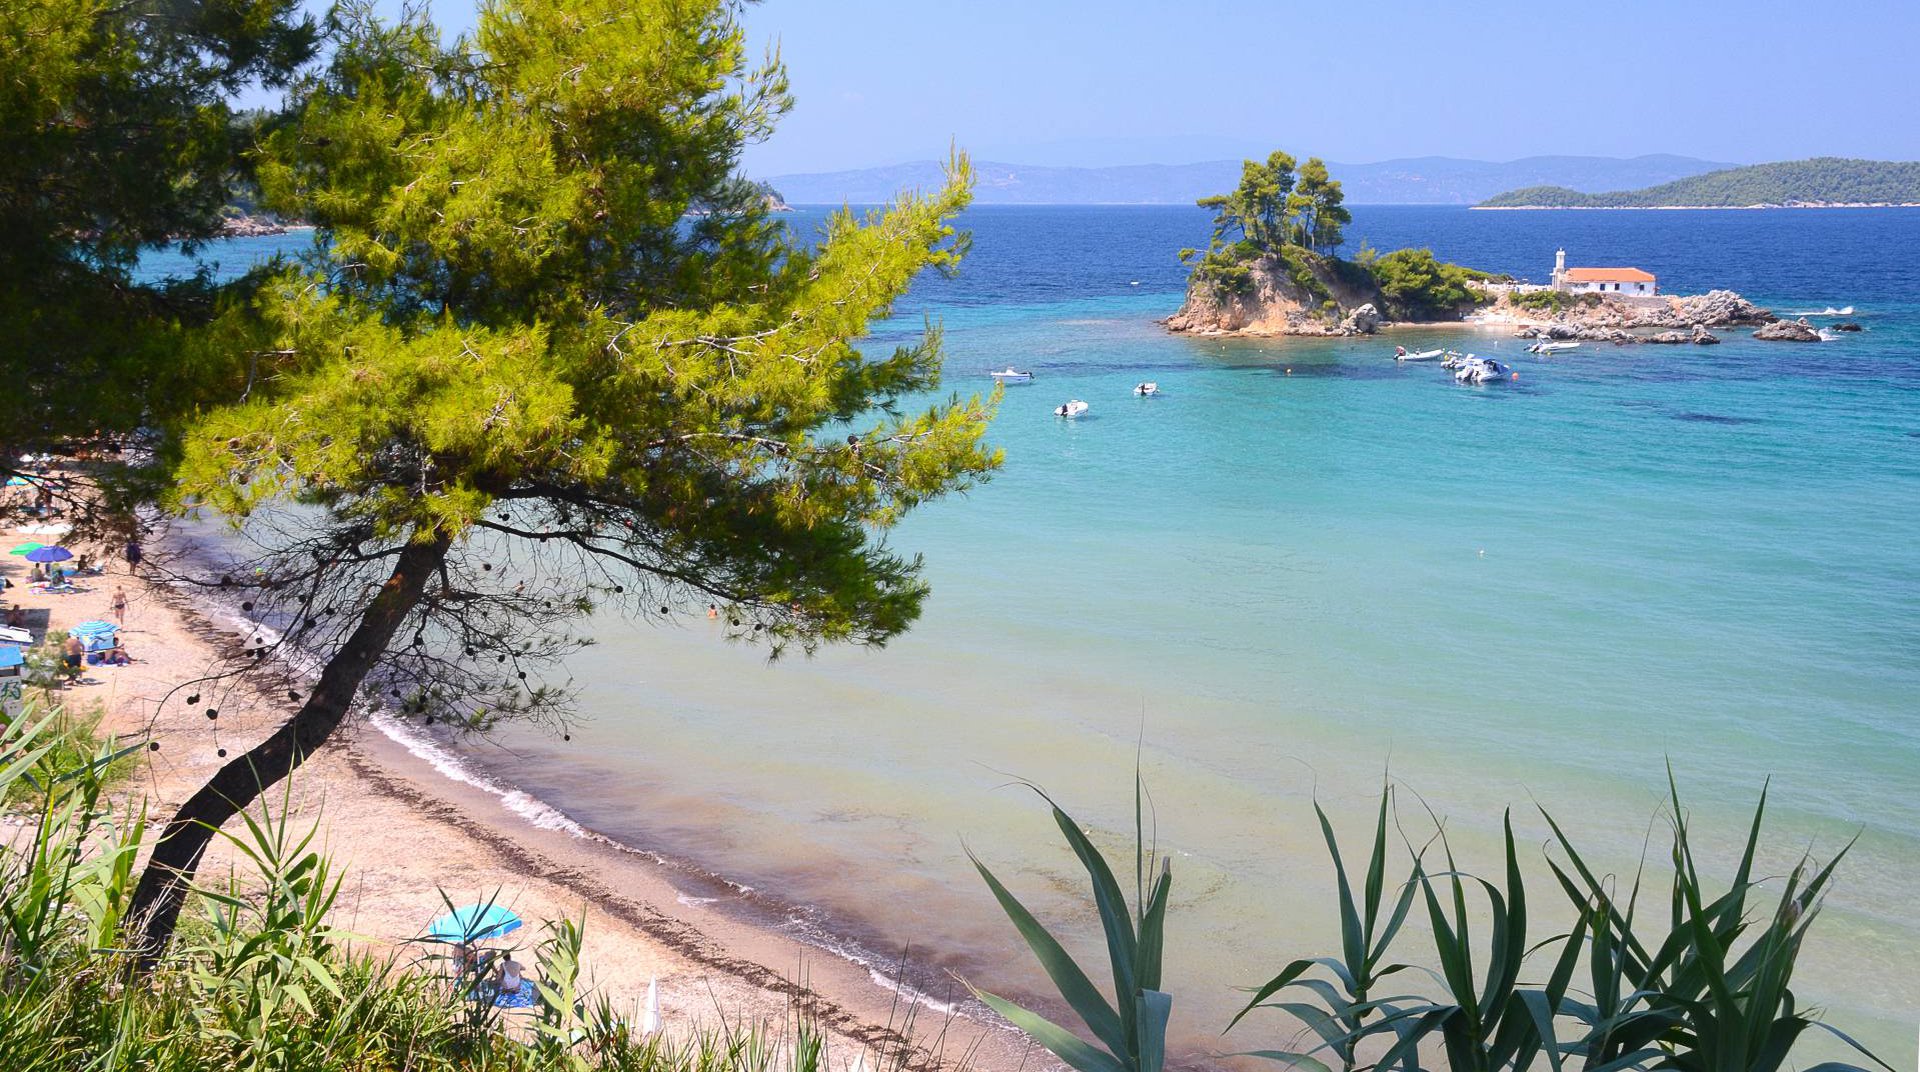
column 1424, row 180
column 1823, row 182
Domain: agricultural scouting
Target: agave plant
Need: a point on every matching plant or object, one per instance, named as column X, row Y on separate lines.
column 1712, row 996
column 1131, row 1029
column 1364, row 939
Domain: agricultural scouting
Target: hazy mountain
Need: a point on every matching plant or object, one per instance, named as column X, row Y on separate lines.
column 1432, row 180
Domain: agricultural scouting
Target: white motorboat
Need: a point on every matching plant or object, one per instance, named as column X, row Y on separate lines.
column 1073, row 408
column 1012, row 375
column 1482, row 370
column 1147, row 389
column 1544, row 347
column 1455, row 359
column 1401, row 353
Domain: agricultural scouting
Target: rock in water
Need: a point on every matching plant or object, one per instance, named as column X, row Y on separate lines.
column 1789, row 331
column 1703, row 337
column 1846, row 325
column 1675, row 336
column 1720, row 307
column 1362, row 321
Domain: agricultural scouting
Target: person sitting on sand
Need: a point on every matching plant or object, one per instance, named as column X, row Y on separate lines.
column 37, row 574
column 115, row 656
column 16, row 617
column 510, row 975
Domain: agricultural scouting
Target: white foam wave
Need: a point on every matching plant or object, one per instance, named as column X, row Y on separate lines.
column 541, row 815
column 535, row 811
column 1828, row 311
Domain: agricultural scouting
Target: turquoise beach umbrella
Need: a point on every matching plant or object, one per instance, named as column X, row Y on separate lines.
column 95, row 628
column 474, row 923
column 26, row 547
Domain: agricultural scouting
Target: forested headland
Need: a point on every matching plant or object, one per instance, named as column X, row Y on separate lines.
column 1820, row 182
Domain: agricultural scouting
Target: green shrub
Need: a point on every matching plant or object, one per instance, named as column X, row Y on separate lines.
column 1551, row 301
column 1414, row 285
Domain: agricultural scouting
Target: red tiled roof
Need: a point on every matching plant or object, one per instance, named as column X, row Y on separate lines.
column 1608, row 275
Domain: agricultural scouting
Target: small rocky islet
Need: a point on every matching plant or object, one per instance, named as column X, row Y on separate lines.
column 1269, row 270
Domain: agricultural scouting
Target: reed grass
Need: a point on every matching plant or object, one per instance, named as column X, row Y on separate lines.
column 259, row 981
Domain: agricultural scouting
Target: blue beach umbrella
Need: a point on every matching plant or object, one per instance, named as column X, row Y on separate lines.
column 49, row 554
column 95, row 628
column 474, row 923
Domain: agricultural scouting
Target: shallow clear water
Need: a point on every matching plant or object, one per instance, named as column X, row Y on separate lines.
column 1303, row 565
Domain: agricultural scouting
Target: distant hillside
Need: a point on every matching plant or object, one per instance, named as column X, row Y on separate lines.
column 1826, row 180
column 1433, row 180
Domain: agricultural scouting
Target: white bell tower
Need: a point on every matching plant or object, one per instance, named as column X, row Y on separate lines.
column 1559, row 269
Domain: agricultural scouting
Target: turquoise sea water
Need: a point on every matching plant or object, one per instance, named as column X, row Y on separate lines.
column 1302, row 565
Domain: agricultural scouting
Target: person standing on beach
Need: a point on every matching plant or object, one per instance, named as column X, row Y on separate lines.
column 133, row 556
column 119, row 605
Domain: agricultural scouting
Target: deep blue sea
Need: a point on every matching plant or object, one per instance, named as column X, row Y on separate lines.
column 1304, row 565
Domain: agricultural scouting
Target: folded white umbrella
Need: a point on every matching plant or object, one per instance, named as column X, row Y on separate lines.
column 650, row 1018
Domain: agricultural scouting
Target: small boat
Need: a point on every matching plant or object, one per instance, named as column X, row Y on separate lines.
column 1147, row 389
column 1012, row 375
column 1400, row 353
column 1455, row 359
column 1073, row 408
column 1544, row 347
column 1482, row 370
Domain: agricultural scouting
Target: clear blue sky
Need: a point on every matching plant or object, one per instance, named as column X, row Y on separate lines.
column 1082, row 83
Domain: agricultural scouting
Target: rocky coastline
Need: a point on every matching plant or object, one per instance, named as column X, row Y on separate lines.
column 250, row 226
column 1275, row 303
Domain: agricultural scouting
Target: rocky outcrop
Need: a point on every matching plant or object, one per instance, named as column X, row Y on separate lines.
column 1789, row 331
column 1718, row 307
column 1362, row 321
column 244, row 226
column 1846, row 325
column 1699, row 336
column 1629, row 318
column 1271, row 301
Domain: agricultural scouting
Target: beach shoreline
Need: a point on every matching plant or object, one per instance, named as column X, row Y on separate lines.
column 402, row 831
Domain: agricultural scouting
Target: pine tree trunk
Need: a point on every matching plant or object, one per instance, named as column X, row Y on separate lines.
column 176, row 856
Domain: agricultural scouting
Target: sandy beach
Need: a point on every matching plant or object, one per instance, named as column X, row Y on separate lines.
column 403, row 833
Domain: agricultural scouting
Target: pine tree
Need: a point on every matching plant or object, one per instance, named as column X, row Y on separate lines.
column 117, row 135
column 554, row 355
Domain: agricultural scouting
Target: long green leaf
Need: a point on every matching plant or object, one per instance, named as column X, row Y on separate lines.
column 1072, row 983
column 1063, row 1044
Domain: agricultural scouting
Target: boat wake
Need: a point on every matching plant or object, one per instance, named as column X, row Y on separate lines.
column 1828, row 311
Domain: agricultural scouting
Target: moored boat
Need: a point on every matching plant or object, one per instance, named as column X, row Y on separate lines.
column 1401, row 353
column 1544, row 347
column 1072, row 408
column 1012, row 375
column 1482, row 370
column 1147, row 389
